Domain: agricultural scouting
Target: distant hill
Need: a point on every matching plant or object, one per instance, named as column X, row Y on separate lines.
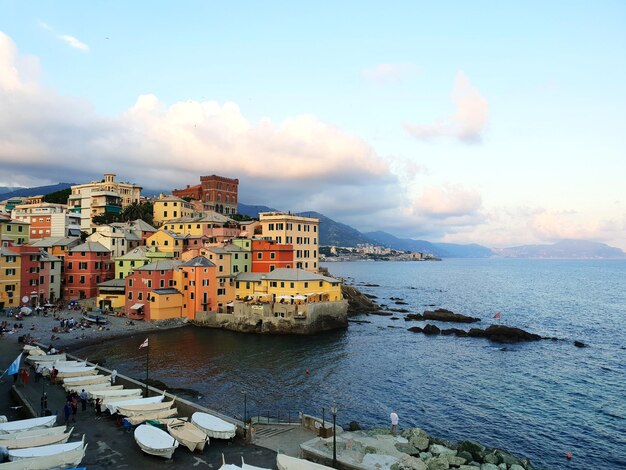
column 8, row 189
column 472, row 250
column 36, row 191
column 564, row 249
column 333, row 233
column 253, row 211
column 447, row 250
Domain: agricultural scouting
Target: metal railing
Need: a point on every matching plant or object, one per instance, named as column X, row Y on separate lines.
column 288, row 417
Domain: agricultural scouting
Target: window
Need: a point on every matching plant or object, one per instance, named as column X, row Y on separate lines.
column 221, row 291
column 247, row 285
column 272, row 255
column 205, row 282
column 162, row 283
column 130, row 282
column 130, row 296
column 82, row 266
column 191, row 295
column 272, row 267
column 82, row 280
column 70, row 279
column 140, row 296
column 221, row 269
column 292, row 285
column 237, row 284
column 273, row 284
column 321, row 283
column 149, row 282
column 259, row 255
column 10, row 272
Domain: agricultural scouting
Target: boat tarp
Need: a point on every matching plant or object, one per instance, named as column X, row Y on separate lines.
column 285, row 462
column 142, row 409
column 101, row 386
column 188, row 435
column 112, row 406
column 149, row 416
column 73, row 368
column 45, row 451
column 79, row 373
column 89, row 380
column 33, row 433
column 35, row 441
column 214, row 427
column 47, row 358
column 71, row 458
column 124, row 392
column 155, row 441
column 26, row 424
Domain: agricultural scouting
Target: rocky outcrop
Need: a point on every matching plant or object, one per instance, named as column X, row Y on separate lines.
column 358, row 302
column 495, row 333
column 441, row 314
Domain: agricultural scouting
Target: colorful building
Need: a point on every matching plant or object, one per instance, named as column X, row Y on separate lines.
column 268, row 255
column 48, row 220
column 218, row 193
column 115, row 239
column 216, row 227
column 86, row 266
column 296, row 230
column 10, row 278
column 16, row 232
column 137, row 258
column 199, row 285
column 167, row 241
column 167, row 208
column 142, row 286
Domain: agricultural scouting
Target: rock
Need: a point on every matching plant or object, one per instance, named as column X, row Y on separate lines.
column 491, row 458
column 502, row 466
column 474, row 449
column 516, row 467
column 394, row 318
column 579, row 344
column 445, row 442
column 488, row 466
column 469, row 467
column 437, row 449
column 370, row 296
column 425, row 456
column 454, row 331
column 441, row 314
column 416, row 329
column 381, row 313
column 354, row 426
column 400, row 302
column 431, row 330
column 407, row 449
column 415, row 316
column 438, row 463
column 507, row 334
column 455, row 461
column 411, row 463
column 357, row 302
column 465, row 455
column 507, row 458
column 399, row 310
column 476, row 333
column 420, row 442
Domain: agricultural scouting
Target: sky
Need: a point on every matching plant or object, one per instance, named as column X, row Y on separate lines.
column 499, row 123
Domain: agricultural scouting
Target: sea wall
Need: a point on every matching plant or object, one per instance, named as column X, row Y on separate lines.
column 277, row 318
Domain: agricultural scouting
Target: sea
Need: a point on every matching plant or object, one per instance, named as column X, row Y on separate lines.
column 541, row 400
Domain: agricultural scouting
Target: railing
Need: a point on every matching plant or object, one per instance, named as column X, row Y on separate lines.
column 275, row 417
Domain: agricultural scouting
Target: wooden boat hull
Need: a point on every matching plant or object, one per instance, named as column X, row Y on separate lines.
column 188, row 435
column 153, row 441
column 154, row 415
column 27, row 424
column 35, row 441
column 112, row 406
column 48, row 451
column 33, row 433
column 134, row 410
column 88, row 380
column 48, row 358
column 118, row 395
column 68, row 459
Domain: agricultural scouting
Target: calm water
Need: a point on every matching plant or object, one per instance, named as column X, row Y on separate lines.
column 539, row 399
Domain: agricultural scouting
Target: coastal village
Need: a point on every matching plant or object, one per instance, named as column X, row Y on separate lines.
column 196, row 260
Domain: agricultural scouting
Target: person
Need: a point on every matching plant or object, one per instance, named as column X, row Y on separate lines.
column 53, row 374
column 98, row 406
column 113, row 377
column 74, row 406
column 83, row 399
column 25, row 376
column 67, row 411
column 394, row 422
column 44, row 402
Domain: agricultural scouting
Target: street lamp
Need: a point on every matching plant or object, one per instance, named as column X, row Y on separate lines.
column 245, row 413
column 333, row 411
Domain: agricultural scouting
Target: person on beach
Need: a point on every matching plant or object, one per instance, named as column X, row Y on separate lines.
column 394, row 422
column 83, row 399
column 74, row 406
column 25, row 376
column 53, row 374
column 67, row 411
column 113, row 377
column 44, row 402
column 98, row 407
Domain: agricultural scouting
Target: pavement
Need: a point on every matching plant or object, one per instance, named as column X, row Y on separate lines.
column 110, row 446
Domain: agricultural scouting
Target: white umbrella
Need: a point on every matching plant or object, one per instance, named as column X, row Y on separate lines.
column 26, row 311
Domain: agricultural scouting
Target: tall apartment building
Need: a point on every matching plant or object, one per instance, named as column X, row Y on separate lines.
column 170, row 207
column 48, row 220
column 301, row 232
column 218, row 193
column 99, row 197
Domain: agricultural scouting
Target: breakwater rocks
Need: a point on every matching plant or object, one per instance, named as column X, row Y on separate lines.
column 431, row 453
column 441, row 314
column 495, row 333
column 358, row 302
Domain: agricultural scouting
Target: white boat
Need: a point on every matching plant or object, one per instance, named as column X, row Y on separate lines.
column 214, row 426
column 48, row 358
column 245, row 466
column 3, row 419
column 125, row 393
column 82, row 373
column 86, row 380
column 285, row 462
column 78, row 367
column 59, row 364
column 94, row 387
column 26, row 424
column 153, row 441
column 32, row 433
column 142, row 409
column 19, row 442
column 112, row 406
column 188, row 435
column 161, row 415
column 45, row 451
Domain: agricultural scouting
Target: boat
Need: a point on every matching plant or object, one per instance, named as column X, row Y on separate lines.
column 188, row 435
column 121, row 393
column 63, row 369
column 153, row 441
column 77, row 373
column 285, row 462
column 214, row 427
column 86, row 380
column 245, row 466
column 95, row 387
column 20, row 442
column 50, row 456
column 47, row 358
column 112, row 406
column 95, row 318
column 144, row 408
column 33, row 432
column 60, row 364
column 160, row 416
column 26, row 424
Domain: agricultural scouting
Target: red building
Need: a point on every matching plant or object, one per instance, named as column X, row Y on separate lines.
column 218, row 193
column 145, row 280
column 268, row 255
column 86, row 266
column 34, row 274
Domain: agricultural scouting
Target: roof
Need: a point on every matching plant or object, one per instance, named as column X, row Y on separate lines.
column 174, row 234
column 140, row 224
column 4, row 251
column 113, row 283
column 210, row 216
column 55, row 241
column 198, row 261
column 92, row 247
column 285, row 274
column 217, row 249
column 135, row 253
column 168, row 290
column 45, row 256
column 232, row 247
column 164, row 265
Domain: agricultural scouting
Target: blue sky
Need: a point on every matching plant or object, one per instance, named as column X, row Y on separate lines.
column 493, row 122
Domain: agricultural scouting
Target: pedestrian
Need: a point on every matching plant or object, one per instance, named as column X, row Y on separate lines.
column 25, row 377
column 53, row 374
column 394, row 422
column 44, row 402
column 83, row 399
column 67, row 411
column 74, row 407
column 38, row 372
column 98, row 406
column 113, row 377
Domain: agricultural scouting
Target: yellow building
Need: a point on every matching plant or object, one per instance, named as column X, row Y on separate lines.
column 10, row 274
column 166, row 303
column 216, row 227
column 167, row 241
column 288, row 286
column 111, row 295
column 14, row 231
column 167, row 208
column 301, row 232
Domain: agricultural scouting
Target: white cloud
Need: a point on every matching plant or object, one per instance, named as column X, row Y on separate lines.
column 468, row 122
column 447, row 201
column 73, row 42
column 388, row 73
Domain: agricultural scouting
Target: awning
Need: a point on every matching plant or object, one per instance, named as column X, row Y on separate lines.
column 230, row 304
column 299, row 297
column 136, row 306
column 73, row 232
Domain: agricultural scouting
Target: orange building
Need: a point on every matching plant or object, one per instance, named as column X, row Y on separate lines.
column 268, row 255
column 218, row 193
column 199, row 285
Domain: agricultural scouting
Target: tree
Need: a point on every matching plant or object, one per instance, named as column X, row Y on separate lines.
column 58, row 197
column 136, row 211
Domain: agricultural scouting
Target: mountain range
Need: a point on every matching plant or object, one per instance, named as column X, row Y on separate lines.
column 333, row 233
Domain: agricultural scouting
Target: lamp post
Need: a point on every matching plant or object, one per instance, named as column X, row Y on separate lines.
column 245, row 413
column 333, row 411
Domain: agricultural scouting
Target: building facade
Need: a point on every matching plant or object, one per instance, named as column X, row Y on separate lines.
column 268, row 255
column 167, row 208
column 86, row 266
column 48, row 220
column 301, row 232
column 218, row 193
column 10, row 278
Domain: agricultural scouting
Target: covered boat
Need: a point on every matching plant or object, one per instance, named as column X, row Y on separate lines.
column 59, row 364
column 124, row 393
column 77, row 373
column 33, row 432
column 26, row 424
column 285, row 462
column 188, row 435
column 214, row 427
column 73, row 368
column 160, row 416
column 47, row 358
column 46, row 451
column 153, row 441
column 93, row 317
column 112, row 406
column 94, row 387
column 20, row 442
column 144, row 408
column 86, row 380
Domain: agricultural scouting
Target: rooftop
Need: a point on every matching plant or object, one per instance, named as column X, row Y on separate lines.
column 91, row 247
column 198, row 261
column 285, row 274
column 161, row 265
